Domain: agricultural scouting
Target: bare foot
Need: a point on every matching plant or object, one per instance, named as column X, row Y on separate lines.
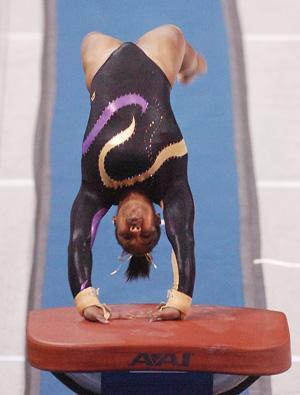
column 198, row 67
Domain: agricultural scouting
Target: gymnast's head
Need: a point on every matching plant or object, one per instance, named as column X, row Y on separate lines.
column 137, row 230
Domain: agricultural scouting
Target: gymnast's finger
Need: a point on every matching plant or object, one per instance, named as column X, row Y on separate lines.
column 99, row 317
column 102, row 320
column 93, row 313
column 121, row 316
column 158, row 316
column 166, row 314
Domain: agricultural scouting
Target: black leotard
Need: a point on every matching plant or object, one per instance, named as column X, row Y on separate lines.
column 132, row 141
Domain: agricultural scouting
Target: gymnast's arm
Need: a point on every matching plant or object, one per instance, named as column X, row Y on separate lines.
column 179, row 220
column 87, row 204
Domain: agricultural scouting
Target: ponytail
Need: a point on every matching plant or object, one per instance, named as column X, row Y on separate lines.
column 139, row 266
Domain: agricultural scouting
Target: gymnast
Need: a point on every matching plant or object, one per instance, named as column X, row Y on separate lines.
column 134, row 155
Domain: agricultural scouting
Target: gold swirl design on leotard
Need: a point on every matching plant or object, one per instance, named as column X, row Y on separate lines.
column 173, row 150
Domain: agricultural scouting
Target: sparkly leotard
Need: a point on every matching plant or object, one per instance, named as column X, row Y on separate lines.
column 132, row 140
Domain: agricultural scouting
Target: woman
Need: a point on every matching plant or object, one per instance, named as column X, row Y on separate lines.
column 133, row 155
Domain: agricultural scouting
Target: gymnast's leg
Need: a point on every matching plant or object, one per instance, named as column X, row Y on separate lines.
column 167, row 46
column 95, row 49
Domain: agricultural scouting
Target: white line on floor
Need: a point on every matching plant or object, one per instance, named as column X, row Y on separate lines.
column 16, row 182
column 12, row 358
column 278, row 184
column 275, row 262
column 272, row 37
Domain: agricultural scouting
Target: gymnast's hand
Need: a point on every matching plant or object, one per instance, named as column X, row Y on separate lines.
column 167, row 314
column 95, row 314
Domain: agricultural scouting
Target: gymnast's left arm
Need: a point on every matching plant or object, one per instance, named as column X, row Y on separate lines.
column 179, row 220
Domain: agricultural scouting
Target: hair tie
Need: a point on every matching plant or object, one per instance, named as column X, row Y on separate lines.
column 150, row 260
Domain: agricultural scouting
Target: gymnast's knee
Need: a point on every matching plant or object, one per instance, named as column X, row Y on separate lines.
column 173, row 31
column 91, row 37
column 97, row 41
column 164, row 35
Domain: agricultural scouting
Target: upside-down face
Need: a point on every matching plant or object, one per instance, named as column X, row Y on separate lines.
column 136, row 224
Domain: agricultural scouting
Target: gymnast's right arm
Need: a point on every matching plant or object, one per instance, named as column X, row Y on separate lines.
column 87, row 204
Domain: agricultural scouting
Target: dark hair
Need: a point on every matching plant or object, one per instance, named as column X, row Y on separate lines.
column 139, row 266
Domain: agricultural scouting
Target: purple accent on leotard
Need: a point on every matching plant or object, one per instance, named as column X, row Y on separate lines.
column 108, row 112
column 83, row 285
column 95, row 223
